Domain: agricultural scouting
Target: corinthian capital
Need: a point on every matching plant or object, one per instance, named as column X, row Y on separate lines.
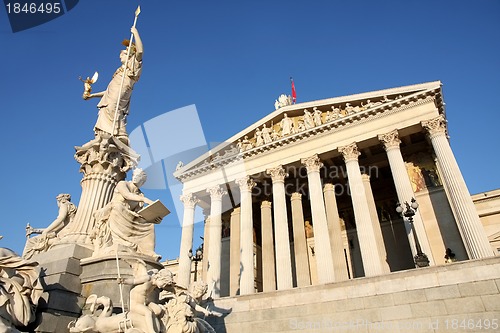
column 216, row 192
column 278, row 174
column 350, row 152
column 312, row 163
column 390, row 140
column 246, row 183
column 435, row 126
column 189, row 200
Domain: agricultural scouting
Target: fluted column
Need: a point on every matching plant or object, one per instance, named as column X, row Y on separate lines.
column 281, row 235
column 322, row 249
column 335, row 232
column 215, row 244
column 268, row 273
column 302, row 269
column 391, row 143
column 184, row 272
column 234, row 253
column 377, row 231
column 475, row 239
column 247, row 280
column 97, row 191
column 103, row 166
column 364, row 227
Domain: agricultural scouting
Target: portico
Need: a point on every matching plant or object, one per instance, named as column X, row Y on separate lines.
column 344, row 174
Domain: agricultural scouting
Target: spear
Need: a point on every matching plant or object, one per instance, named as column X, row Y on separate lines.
column 120, row 283
column 137, row 12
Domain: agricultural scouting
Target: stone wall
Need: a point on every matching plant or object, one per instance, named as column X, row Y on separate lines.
column 457, row 297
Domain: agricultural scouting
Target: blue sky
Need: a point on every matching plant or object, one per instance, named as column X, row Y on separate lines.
column 232, row 59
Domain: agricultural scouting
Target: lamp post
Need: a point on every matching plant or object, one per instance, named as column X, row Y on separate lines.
column 197, row 257
column 421, row 259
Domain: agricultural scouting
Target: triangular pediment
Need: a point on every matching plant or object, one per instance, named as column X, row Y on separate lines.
column 304, row 119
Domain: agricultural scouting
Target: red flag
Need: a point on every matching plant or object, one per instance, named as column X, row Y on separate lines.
column 294, row 93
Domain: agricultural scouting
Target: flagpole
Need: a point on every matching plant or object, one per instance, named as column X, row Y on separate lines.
column 137, row 12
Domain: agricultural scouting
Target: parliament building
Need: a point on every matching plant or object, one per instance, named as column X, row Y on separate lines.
column 359, row 192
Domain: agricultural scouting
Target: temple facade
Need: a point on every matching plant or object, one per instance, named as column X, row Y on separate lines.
column 308, row 195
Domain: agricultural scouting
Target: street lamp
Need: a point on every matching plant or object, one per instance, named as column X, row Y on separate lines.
column 421, row 259
column 197, row 257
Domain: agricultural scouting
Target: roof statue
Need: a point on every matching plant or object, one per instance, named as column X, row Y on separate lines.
column 283, row 100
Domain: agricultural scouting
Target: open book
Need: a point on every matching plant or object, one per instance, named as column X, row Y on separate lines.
column 153, row 211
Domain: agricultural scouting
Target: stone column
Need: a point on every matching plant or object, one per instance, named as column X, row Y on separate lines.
column 234, row 253
column 97, row 191
column 475, row 239
column 215, row 244
column 299, row 242
column 281, row 235
column 404, row 190
column 268, row 273
column 376, row 223
column 247, row 280
column 322, row 249
column 103, row 166
column 184, row 272
column 335, row 232
column 364, row 227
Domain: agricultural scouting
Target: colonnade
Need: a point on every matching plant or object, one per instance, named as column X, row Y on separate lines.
column 276, row 251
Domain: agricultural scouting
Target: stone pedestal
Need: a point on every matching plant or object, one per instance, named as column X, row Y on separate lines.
column 99, row 276
column 60, row 274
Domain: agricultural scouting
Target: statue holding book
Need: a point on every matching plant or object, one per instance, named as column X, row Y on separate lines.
column 124, row 225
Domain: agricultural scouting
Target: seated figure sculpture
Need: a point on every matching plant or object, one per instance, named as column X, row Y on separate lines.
column 119, row 228
column 183, row 309
column 48, row 236
column 20, row 290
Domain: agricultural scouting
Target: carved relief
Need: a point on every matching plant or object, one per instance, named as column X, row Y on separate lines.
column 317, row 117
column 308, row 119
column 286, row 126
